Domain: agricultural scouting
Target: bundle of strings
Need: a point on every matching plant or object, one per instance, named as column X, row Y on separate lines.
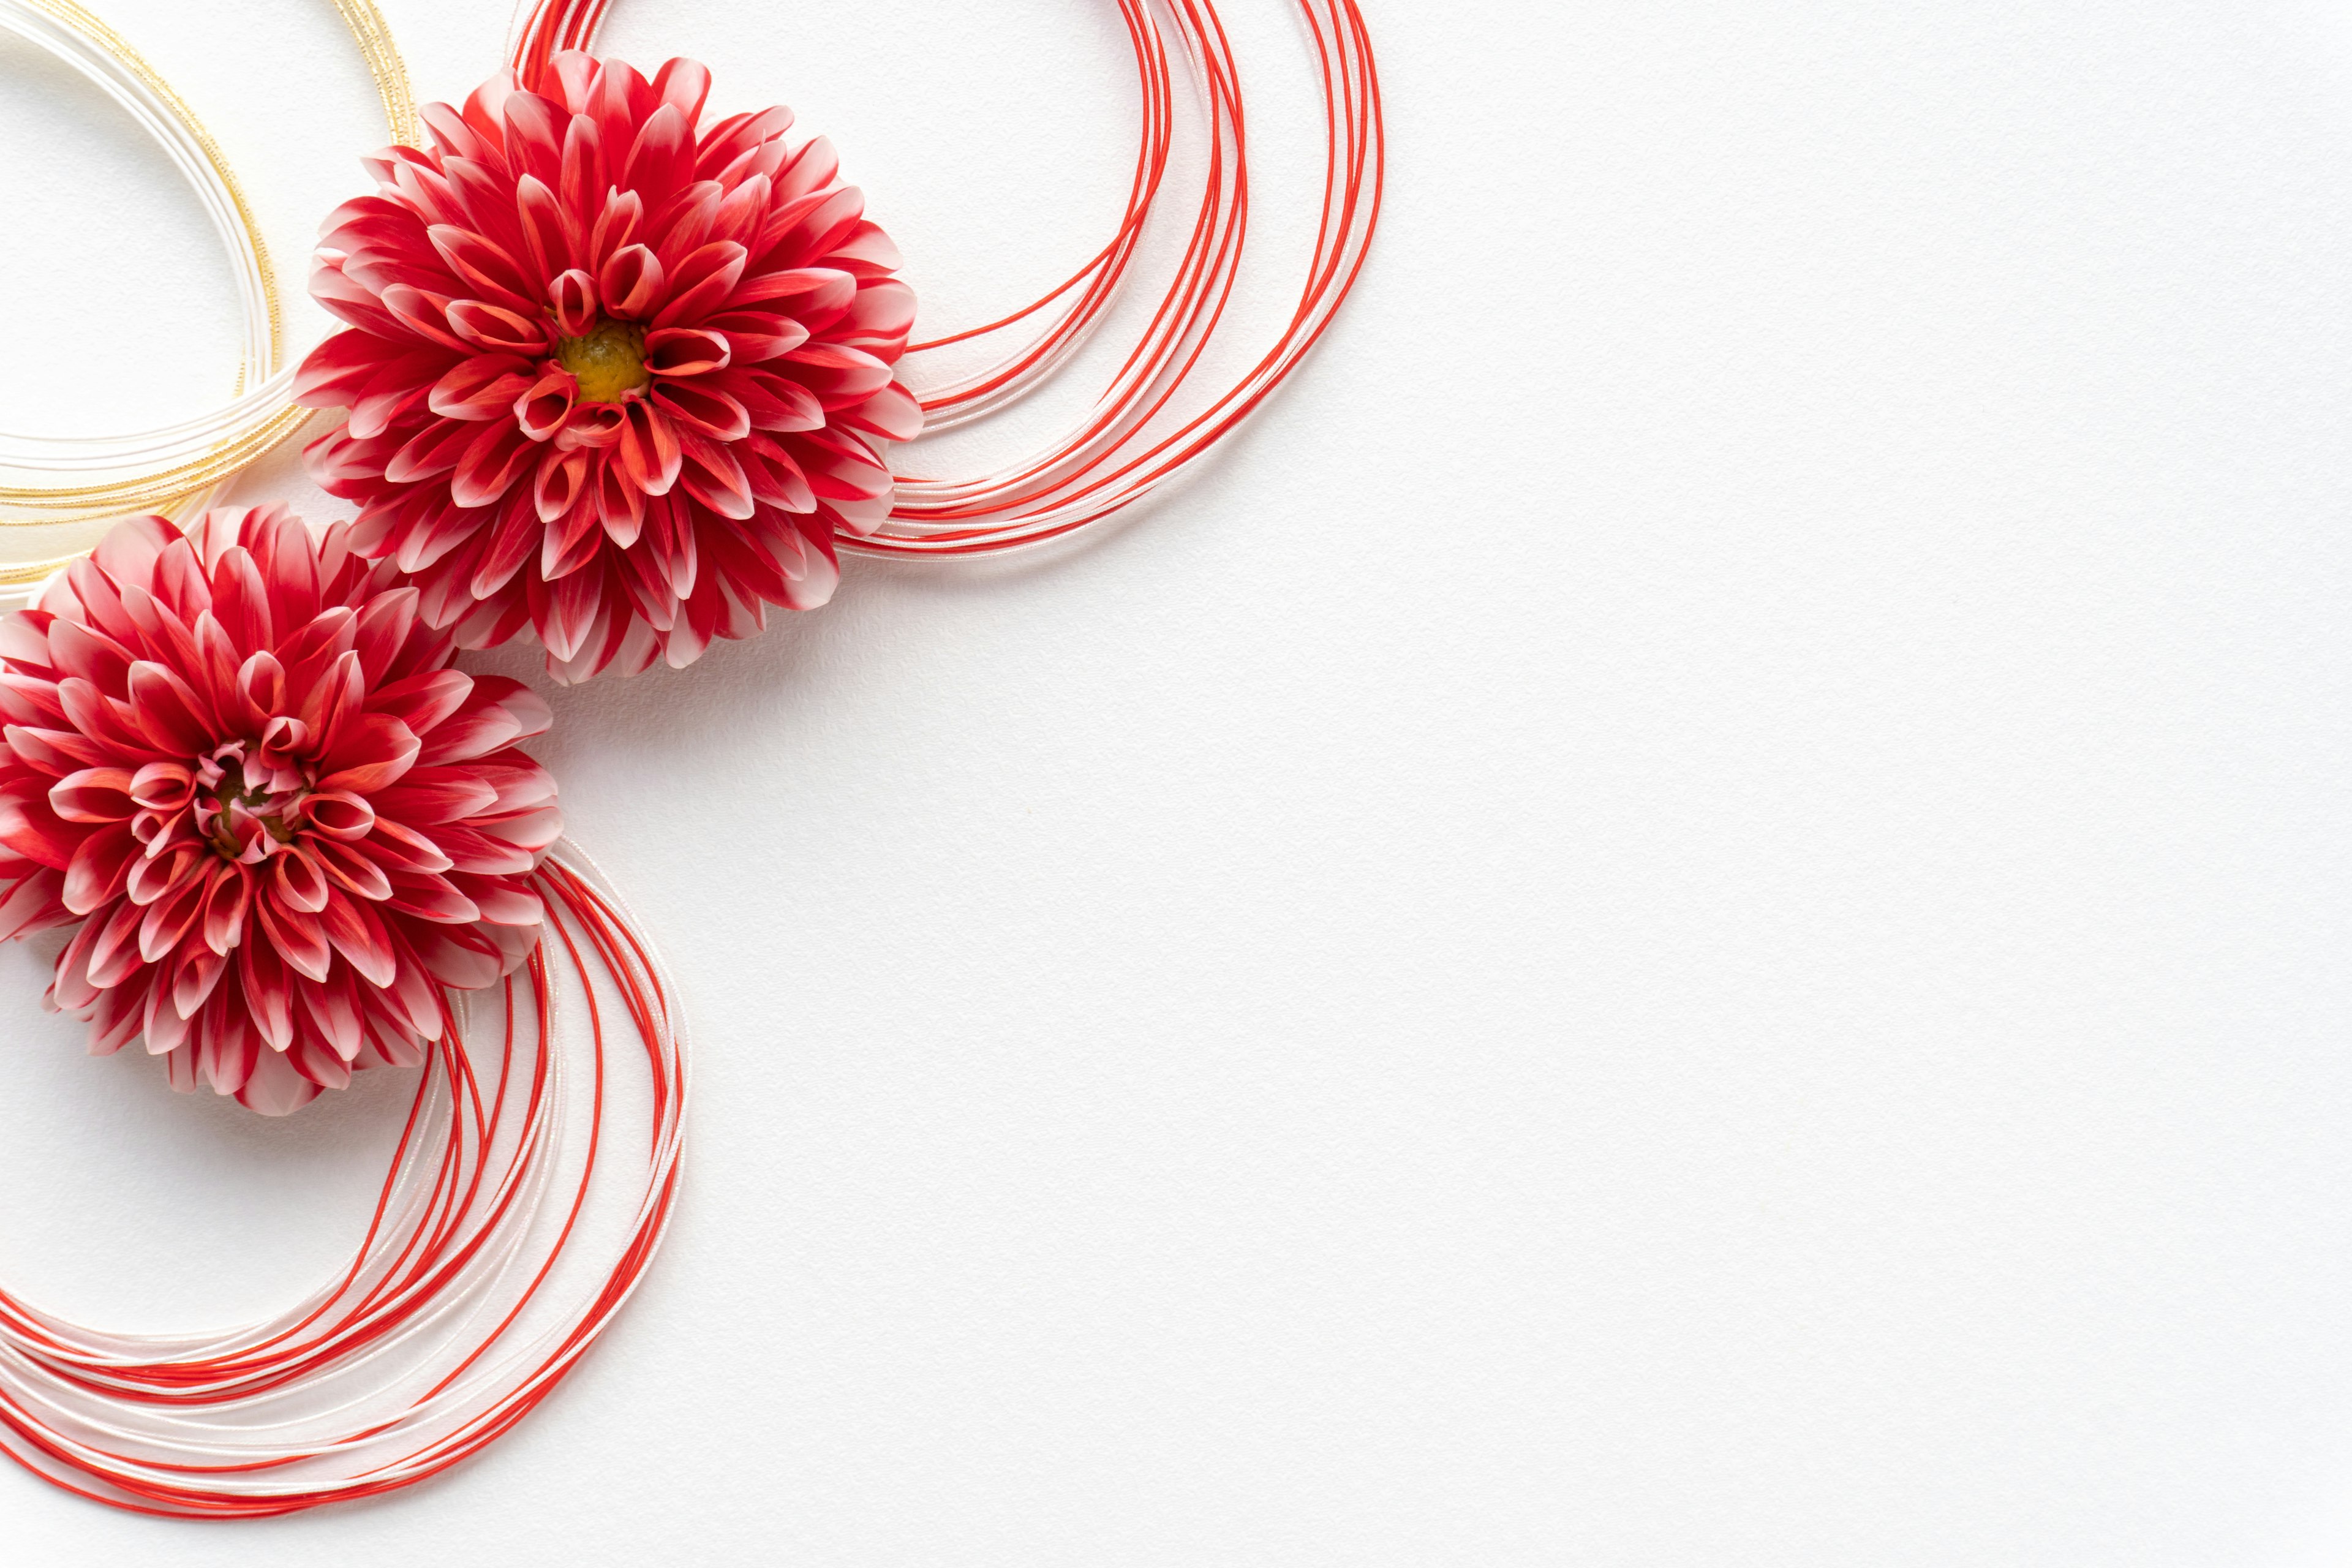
column 515, row 1223
column 512, row 1228
column 1151, row 423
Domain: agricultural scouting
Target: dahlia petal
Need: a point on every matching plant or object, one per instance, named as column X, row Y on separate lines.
column 431, row 899
column 581, row 180
column 149, row 877
column 169, row 919
column 115, row 954
column 685, row 351
column 839, row 375
column 754, row 336
column 429, row 797
column 30, row 905
column 493, row 329
column 864, row 249
column 268, row 994
column 162, row 786
column 77, row 650
column 508, row 547
column 808, row 171
column 228, row 1058
column 774, row 401
column 620, row 505
column 399, row 386
column 617, row 226
column 574, row 296
column 486, row 108
column 736, row 134
column 164, row 1030
column 776, row 481
column 648, row 449
column 380, row 632
column 890, row 414
column 318, row 1064
column 808, row 225
column 335, row 1014
column 450, row 132
column 493, row 462
column 397, row 847
column 711, row 475
column 200, row 971
column 568, row 543
column 117, row 1019
column 592, row 425
column 300, row 939
column 481, row 386
column 534, row 829
column 662, row 160
column 351, row 870
column 36, row 750
column 462, row 958
column 572, row 605
column 226, row 903
column 501, row 902
column 93, row 795
column 358, row 934
column 703, row 410
column 815, row 292
column 423, row 314
column 543, row 410
column 684, row 85
column 271, row 1086
column 415, row 999
column 297, row 884
column 431, row 452
column 548, row 234
column 702, row 281
column 98, row 867
column 69, row 988
column 424, row 699
column 332, row 374
column 633, row 283
column 373, row 752
column 482, row 264
column 878, row 318
column 691, row 219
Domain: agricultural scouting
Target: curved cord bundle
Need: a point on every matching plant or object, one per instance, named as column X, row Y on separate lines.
column 1122, row 451
column 175, row 465
column 491, row 1263
column 502, row 1243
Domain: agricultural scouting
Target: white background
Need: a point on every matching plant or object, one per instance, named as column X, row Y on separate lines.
column 1692, row 911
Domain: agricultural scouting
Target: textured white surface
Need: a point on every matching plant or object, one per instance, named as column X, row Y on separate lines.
column 1694, row 911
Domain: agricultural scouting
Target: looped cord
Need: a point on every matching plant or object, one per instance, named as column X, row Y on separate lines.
column 1142, row 431
column 172, row 468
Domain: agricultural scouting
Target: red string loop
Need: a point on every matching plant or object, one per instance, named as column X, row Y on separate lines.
column 1138, row 435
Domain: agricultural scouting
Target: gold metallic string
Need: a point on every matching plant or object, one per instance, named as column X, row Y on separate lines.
column 185, row 482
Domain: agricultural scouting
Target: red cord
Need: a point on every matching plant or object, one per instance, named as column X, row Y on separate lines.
column 451, row 1322
column 1125, row 448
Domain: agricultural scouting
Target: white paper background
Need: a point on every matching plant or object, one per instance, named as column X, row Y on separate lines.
column 1692, row 911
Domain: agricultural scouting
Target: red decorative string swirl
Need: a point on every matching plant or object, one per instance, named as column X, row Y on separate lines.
column 498, row 1249
column 1147, row 424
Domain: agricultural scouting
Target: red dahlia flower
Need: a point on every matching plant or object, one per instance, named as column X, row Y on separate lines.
column 240, row 760
column 609, row 375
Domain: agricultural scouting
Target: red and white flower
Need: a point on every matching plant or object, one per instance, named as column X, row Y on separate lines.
column 239, row 759
column 613, row 375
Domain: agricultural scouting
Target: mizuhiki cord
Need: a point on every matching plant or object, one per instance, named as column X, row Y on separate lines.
column 172, row 467
column 1122, row 451
column 467, row 1300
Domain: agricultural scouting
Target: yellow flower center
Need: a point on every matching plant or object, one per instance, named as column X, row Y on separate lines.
column 608, row 364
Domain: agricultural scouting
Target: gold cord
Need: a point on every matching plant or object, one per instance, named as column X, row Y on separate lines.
column 187, row 482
